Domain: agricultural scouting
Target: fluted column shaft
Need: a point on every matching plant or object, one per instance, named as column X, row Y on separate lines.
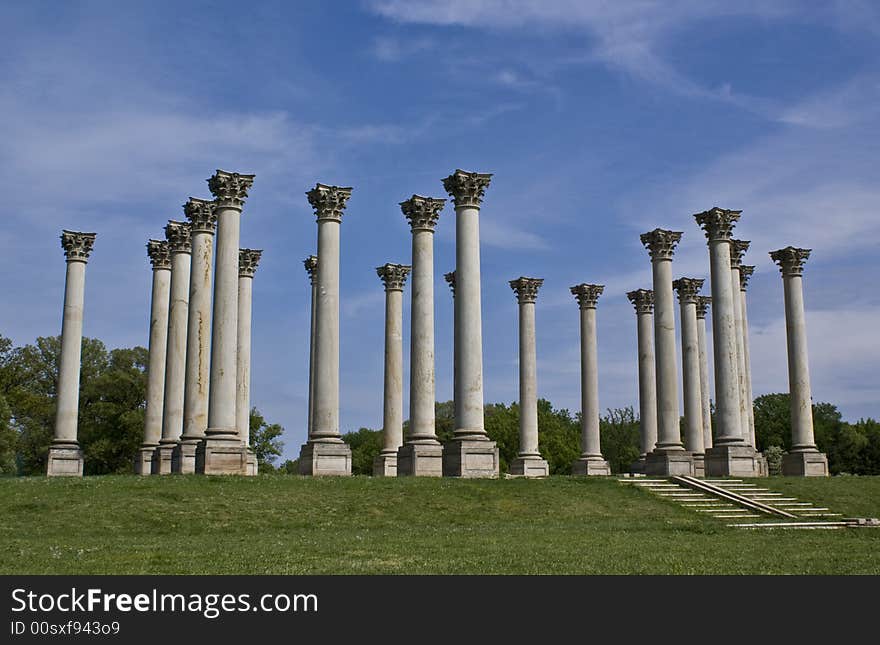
column 590, row 445
column 393, row 276
column 528, row 382
column 326, row 395
column 668, row 428
column 690, row 365
column 702, row 343
column 158, row 344
column 311, row 264
column 175, row 357
column 422, row 386
column 647, row 382
column 747, row 361
column 248, row 260
column 67, row 412
column 736, row 299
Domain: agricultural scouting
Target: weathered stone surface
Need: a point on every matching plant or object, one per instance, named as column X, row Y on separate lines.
column 664, row 463
column 470, row 458
column 731, row 460
column 385, row 466
column 420, row 460
column 248, row 260
column 528, row 462
column 64, row 461
column 221, row 456
column 805, row 464
column 590, row 467
column 688, row 293
column 325, row 459
column 529, row 467
column 643, row 301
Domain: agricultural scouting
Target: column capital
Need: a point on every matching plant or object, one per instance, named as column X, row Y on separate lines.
column 329, row 201
column 179, row 236
column 422, row 212
column 790, row 260
column 661, row 243
column 738, row 249
column 159, row 254
column 230, row 188
column 311, row 265
column 703, row 303
column 202, row 215
column 393, row 276
column 718, row 223
column 688, row 289
column 642, row 300
column 526, row 289
column 587, row 295
column 745, row 272
column 467, row 188
column 450, row 278
column 248, row 260
column 77, row 246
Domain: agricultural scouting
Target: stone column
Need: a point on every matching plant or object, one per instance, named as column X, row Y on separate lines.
column 745, row 272
column 643, row 301
column 221, row 452
column 471, row 453
column 65, row 457
column 311, row 265
column 456, row 401
column 325, row 453
column 203, row 222
column 160, row 258
column 703, row 303
column 248, row 259
column 528, row 462
column 180, row 246
column 688, row 292
column 422, row 454
column 730, row 455
column 591, row 461
column 669, row 456
column 738, row 248
column 393, row 276
column 804, row 458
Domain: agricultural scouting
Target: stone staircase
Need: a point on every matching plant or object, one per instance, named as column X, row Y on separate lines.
column 749, row 505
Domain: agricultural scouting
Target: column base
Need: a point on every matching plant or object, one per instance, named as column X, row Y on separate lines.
column 732, row 460
column 65, row 460
column 470, row 458
column 183, row 459
column 253, row 467
column 805, row 464
column 323, row 459
column 664, row 463
column 221, row 456
column 638, row 466
column 143, row 461
column 161, row 464
column 699, row 465
column 590, row 467
column 529, row 466
column 420, row 460
column 385, row 465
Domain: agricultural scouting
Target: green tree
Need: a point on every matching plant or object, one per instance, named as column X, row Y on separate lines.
column 619, row 436
column 558, row 437
column 365, row 446
column 265, row 441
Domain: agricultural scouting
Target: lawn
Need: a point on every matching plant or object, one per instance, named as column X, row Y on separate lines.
column 291, row 525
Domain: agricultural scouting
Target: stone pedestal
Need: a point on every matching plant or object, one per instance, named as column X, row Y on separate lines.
column 731, row 460
column 161, row 464
column 385, row 466
column 664, row 463
column 805, row 464
column 183, row 458
column 65, row 461
column 470, row 458
column 699, row 465
column 321, row 459
column 221, row 456
column 420, row 460
column 253, row 468
column 590, row 466
column 529, row 467
column 143, row 461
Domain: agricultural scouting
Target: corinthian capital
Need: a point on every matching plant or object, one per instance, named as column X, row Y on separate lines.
column 526, row 289
column 738, row 249
column 661, row 243
column 790, row 260
column 422, row 212
column 178, row 236
column 77, row 246
column 159, row 254
column 328, row 201
column 688, row 289
column 311, row 265
column 587, row 295
column 450, row 279
column 202, row 215
column 745, row 272
column 467, row 188
column 393, row 275
column 230, row 188
column 718, row 223
column 703, row 303
column 642, row 300
column 248, row 259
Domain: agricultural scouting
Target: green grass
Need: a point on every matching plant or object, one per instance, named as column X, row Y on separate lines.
column 293, row 525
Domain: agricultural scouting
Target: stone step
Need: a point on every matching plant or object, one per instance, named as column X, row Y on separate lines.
column 727, row 517
column 812, row 509
column 793, row 525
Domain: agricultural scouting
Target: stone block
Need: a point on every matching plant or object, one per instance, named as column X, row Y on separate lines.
column 805, row 464
column 385, row 466
column 470, row 458
column 420, row 460
column 183, row 459
column 221, row 456
column 253, row 468
column 325, row 459
column 638, row 467
column 162, row 459
column 699, row 465
column 667, row 463
column 529, row 467
column 731, row 460
column 143, row 461
column 65, row 461
column 590, row 467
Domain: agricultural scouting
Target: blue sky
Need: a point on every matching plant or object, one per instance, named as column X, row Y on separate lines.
column 600, row 121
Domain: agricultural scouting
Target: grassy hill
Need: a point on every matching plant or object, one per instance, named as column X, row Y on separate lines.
column 291, row 525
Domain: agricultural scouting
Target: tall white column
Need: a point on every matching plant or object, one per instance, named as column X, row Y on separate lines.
column 745, row 272
column 528, row 462
column 65, row 457
column 180, row 247
column 591, row 461
column 160, row 258
column 221, row 452
column 738, row 248
column 456, row 347
column 203, row 222
column 669, row 456
column 393, row 276
column 688, row 292
column 803, row 458
column 325, row 453
column 311, row 265
column 422, row 453
column 471, row 453
column 730, row 455
column 248, row 259
column 703, row 303
column 643, row 301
